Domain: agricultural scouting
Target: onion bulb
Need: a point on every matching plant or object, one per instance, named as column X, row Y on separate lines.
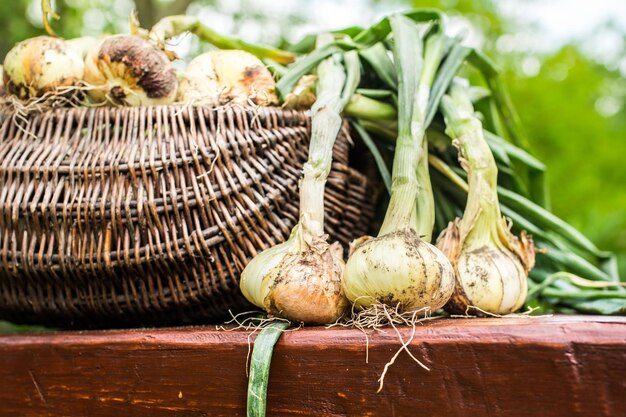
column 41, row 65
column 83, row 45
column 129, row 70
column 399, row 267
column 301, row 279
column 302, row 96
column 297, row 280
column 228, row 76
column 491, row 264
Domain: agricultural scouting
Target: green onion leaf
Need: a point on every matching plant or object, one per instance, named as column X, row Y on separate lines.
column 378, row 158
column 260, row 367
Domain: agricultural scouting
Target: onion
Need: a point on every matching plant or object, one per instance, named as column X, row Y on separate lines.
column 301, row 279
column 399, row 268
column 302, row 96
column 129, row 70
column 220, row 77
column 41, row 65
column 491, row 264
column 298, row 280
column 83, row 45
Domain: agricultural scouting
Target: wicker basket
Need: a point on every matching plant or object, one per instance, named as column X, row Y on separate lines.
column 146, row 216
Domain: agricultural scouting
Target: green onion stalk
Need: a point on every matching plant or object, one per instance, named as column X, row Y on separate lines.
column 300, row 279
column 491, row 264
column 399, row 267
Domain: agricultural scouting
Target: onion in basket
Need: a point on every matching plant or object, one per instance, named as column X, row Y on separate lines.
column 220, row 77
column 129, row 70
column 41, row 65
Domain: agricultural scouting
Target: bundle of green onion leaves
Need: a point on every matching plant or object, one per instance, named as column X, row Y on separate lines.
column 571, row 274
column 466, row 106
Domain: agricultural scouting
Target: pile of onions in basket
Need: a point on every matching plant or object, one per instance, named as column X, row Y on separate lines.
column 135, row 70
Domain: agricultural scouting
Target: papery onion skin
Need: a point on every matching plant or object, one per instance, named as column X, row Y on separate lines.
column 228, row 76
column 399, row 268
column 306, row 287
column 129, row 70
column 40, row 65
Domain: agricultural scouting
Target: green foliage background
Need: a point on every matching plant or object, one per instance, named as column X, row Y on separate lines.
column 572, row 107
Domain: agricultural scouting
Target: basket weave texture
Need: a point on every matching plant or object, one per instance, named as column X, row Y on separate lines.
column 143, row 216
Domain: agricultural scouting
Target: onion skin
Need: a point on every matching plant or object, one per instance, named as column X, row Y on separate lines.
column 199, row 83
column 398, row 268
column 41, row 65
column 129, row 70
column 228, row 76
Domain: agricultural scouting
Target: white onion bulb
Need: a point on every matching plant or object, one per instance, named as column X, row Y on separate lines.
column 399, row 268
column 129, row 70
column 227, row 76
column 297, row 280
column 40, row 65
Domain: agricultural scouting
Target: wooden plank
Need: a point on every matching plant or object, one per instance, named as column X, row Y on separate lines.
column 549, row 366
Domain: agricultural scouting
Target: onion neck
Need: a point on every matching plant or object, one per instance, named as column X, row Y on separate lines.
column 366, row 108
column 325, row 126
column 482, row 221
column 411, row 203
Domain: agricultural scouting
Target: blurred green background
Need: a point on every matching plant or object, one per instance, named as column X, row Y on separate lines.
column 564, row 61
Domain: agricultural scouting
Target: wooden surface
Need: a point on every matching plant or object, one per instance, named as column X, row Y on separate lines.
column 550, row 366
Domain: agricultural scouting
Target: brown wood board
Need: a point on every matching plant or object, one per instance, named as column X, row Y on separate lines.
column 547, row 366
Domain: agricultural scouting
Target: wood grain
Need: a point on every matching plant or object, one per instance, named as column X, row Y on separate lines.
column 549, row 366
